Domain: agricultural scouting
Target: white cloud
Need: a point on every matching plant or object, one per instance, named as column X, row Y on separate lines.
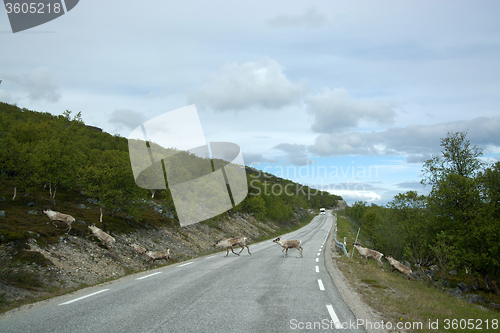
column 251, row 84
column 38, row 84
column 312, row 18
column 335, row 110
column 416, row 142
column 253, row 159
column 343, row 143
column 352, row 196
column 295, row 154
column 126, row 117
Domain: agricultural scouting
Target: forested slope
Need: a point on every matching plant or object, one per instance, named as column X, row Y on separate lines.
column 456, row 228
column 58, row 162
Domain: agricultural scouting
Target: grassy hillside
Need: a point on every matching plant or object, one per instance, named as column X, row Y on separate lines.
column 418, row 301
column 60, row 163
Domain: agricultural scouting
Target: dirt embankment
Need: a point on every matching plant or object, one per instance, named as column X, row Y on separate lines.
column 75, row 262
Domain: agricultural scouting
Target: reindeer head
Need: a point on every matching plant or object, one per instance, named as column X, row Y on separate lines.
column 276, row 240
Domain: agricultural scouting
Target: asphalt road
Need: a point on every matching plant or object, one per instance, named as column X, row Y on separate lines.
column 261, row 292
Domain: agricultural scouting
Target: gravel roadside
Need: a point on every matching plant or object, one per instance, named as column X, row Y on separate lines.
column 353, row 300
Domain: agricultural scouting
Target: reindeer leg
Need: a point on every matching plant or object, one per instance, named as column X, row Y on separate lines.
column 234, row 252
column 248, row 249
column 242, row 248
column 227, row 252
column 300, row 251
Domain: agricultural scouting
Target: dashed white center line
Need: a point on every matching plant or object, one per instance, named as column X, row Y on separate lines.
column 319, row 253
column 335, row 319
column 188, row 263
column 319, row 250
column 317, row 259
column 146, row 276
column 77, row 299
column 321, row 286
column 317, row 269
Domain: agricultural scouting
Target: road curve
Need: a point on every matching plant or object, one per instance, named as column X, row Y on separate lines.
column 261, row 292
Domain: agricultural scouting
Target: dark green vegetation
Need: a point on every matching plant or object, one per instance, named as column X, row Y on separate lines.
column 415, row 306
column 456, row 227
column 58, row 162
column 59, row 157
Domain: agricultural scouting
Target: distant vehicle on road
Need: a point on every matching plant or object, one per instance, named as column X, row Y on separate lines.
column 322, row 211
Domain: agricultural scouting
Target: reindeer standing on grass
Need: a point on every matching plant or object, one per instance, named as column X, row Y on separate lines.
column 397, row 266
column 369, row 253
column 56, row 216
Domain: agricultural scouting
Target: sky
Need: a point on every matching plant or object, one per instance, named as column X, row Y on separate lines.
column 347, row 96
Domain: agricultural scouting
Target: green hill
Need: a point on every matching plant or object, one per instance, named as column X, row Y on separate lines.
column 60, row 163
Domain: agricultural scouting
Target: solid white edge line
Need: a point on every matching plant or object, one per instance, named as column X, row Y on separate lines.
column 335, row 319
column 317, row 269
column 79, row 298
column 146, row 276
column 186, row 264
column 321, row 286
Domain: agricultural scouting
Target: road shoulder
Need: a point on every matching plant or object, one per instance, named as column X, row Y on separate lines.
column 353, row 300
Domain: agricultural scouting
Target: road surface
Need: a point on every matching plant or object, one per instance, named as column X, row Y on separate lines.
column 261, row 292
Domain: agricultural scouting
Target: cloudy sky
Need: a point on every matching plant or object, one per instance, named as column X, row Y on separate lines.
column 349, row 96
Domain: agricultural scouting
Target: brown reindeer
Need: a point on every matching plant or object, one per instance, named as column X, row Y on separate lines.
column 286, row 244
column 396, row 265
column 367, row 253
column 56, row 216
column 230, row 242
